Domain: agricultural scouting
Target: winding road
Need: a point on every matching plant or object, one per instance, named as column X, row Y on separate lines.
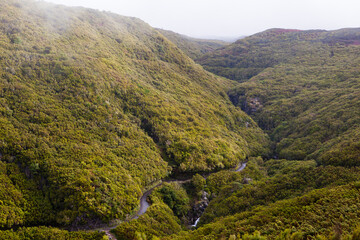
column 241, row 167
column 144, row 205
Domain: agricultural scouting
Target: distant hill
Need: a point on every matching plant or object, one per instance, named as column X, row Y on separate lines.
column 228, row 39
column 302, row 87
column 193, row 47
column 95, row 107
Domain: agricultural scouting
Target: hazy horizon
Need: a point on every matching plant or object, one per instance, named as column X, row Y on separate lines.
column 231, row 18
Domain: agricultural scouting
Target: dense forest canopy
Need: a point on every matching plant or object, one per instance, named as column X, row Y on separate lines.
column 194, row 48
column 304, row 90
column 97, row 108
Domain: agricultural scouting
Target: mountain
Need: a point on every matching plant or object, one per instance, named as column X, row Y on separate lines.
column 193, row 47
column 285, row 200
column 249, row 56
column 99, row 110
column 302, row 87
column 95, row 108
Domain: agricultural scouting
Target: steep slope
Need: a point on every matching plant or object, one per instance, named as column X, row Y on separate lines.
column 311, row 216
column 280, row 179
column 302, row 87
column 94, row 107
column 280, row 199
column 249, row 56
column 275, row 198
column 192, row 47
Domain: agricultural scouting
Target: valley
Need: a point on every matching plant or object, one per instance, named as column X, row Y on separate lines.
column 110, row 125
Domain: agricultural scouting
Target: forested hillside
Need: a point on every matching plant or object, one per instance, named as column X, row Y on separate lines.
column 302, row 87
column 273, row 199
column 95, row 107
column 193, row 47
column 98, row 110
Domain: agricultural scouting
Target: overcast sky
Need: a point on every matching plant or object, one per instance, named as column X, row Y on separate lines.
column 231, row 18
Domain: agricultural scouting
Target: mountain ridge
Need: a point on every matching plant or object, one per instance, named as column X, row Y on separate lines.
column 193, row 47
column 293, row 80
column 95, row 107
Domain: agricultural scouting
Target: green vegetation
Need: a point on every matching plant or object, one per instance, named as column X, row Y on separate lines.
column 95, row 107
column 314, row 214
column 45, row 233
column 173, row 195
column 281, row 179
column 21, row 200
column 250, row 56
column 302, row 88
column 193, row 47
column 158, row 221
column 197, row 184
column 304, row 92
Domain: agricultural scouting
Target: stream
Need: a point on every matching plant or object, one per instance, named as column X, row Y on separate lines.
column 238, row 169
column 144, row 205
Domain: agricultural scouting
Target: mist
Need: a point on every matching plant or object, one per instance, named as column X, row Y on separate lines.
column 228, row 18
